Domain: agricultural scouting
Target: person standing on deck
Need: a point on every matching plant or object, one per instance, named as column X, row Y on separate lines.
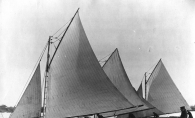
column 189, row 114
column 131, row 115
column 183, row 112
column 99, row 116
column 155, row 115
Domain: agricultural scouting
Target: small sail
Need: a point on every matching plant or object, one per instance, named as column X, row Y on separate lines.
column 77, row 84
column 162, row 92
column 116, row 73
column 29, row 105
column 140, row 91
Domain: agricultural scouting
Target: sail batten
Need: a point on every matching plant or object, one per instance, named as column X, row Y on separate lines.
column 30, row 102
column 162, row 91
column 77, row 85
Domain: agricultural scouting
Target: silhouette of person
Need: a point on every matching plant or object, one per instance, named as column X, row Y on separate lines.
column 131, row 115
column 155, row 115
column 189, row 114
column 99, row 116
column 183, row 112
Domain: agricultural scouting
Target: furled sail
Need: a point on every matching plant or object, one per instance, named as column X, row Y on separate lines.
column 162, row 92
column 116, row 73
column 29, row 105
column 77, row 85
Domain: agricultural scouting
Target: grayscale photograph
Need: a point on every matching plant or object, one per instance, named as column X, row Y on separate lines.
column 97, row 58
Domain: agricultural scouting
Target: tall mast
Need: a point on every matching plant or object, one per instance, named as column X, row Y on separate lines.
column 62, row 37
column 145, row 85
column 46, row 76
column 49, row 60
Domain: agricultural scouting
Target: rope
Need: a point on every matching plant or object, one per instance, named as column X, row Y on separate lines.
column 39, row 59
column 104, row 58
column 61, row 28
column 150, row 68
column 57, row 38
column 62, row 32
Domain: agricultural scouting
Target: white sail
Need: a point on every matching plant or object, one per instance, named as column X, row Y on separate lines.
column 29, row 105
column 162, row 92
column 77, row 83
column 140, row 91
column 116, row 73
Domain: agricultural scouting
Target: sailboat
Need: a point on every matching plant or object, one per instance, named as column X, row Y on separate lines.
column 115, row 71
column 162, row 92
column 75, row 84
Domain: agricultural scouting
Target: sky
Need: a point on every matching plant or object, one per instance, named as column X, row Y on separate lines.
column 143, row 31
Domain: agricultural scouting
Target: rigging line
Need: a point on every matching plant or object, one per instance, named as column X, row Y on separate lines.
column 153, row 71
column 39, row 59
column 62, row 32
column 104, row 58
column 61, row 27
column 151, row 67
column 57, row 38
column 109, row 57
column 62, row 37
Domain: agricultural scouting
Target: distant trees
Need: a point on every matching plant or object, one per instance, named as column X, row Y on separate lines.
column 4, row 108
column 193, row 108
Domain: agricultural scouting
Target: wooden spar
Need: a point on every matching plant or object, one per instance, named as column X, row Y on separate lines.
column 134, row 111
column 145, row 86
column 49, row 62
column 63, row 37
column 46, row 75
column 106, row 111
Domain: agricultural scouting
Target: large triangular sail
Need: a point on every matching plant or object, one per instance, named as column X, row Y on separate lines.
column 162, row 92
column 116, row 73
column 29, row 105
column 77, row 85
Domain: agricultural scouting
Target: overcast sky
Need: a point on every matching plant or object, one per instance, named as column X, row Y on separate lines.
column 144, row 31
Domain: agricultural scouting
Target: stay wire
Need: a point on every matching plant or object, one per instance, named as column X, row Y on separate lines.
column 151, row 72
column 39, row 59
column 151, row 67
column 104, row 58
column 61, row 27
column 57, row 38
